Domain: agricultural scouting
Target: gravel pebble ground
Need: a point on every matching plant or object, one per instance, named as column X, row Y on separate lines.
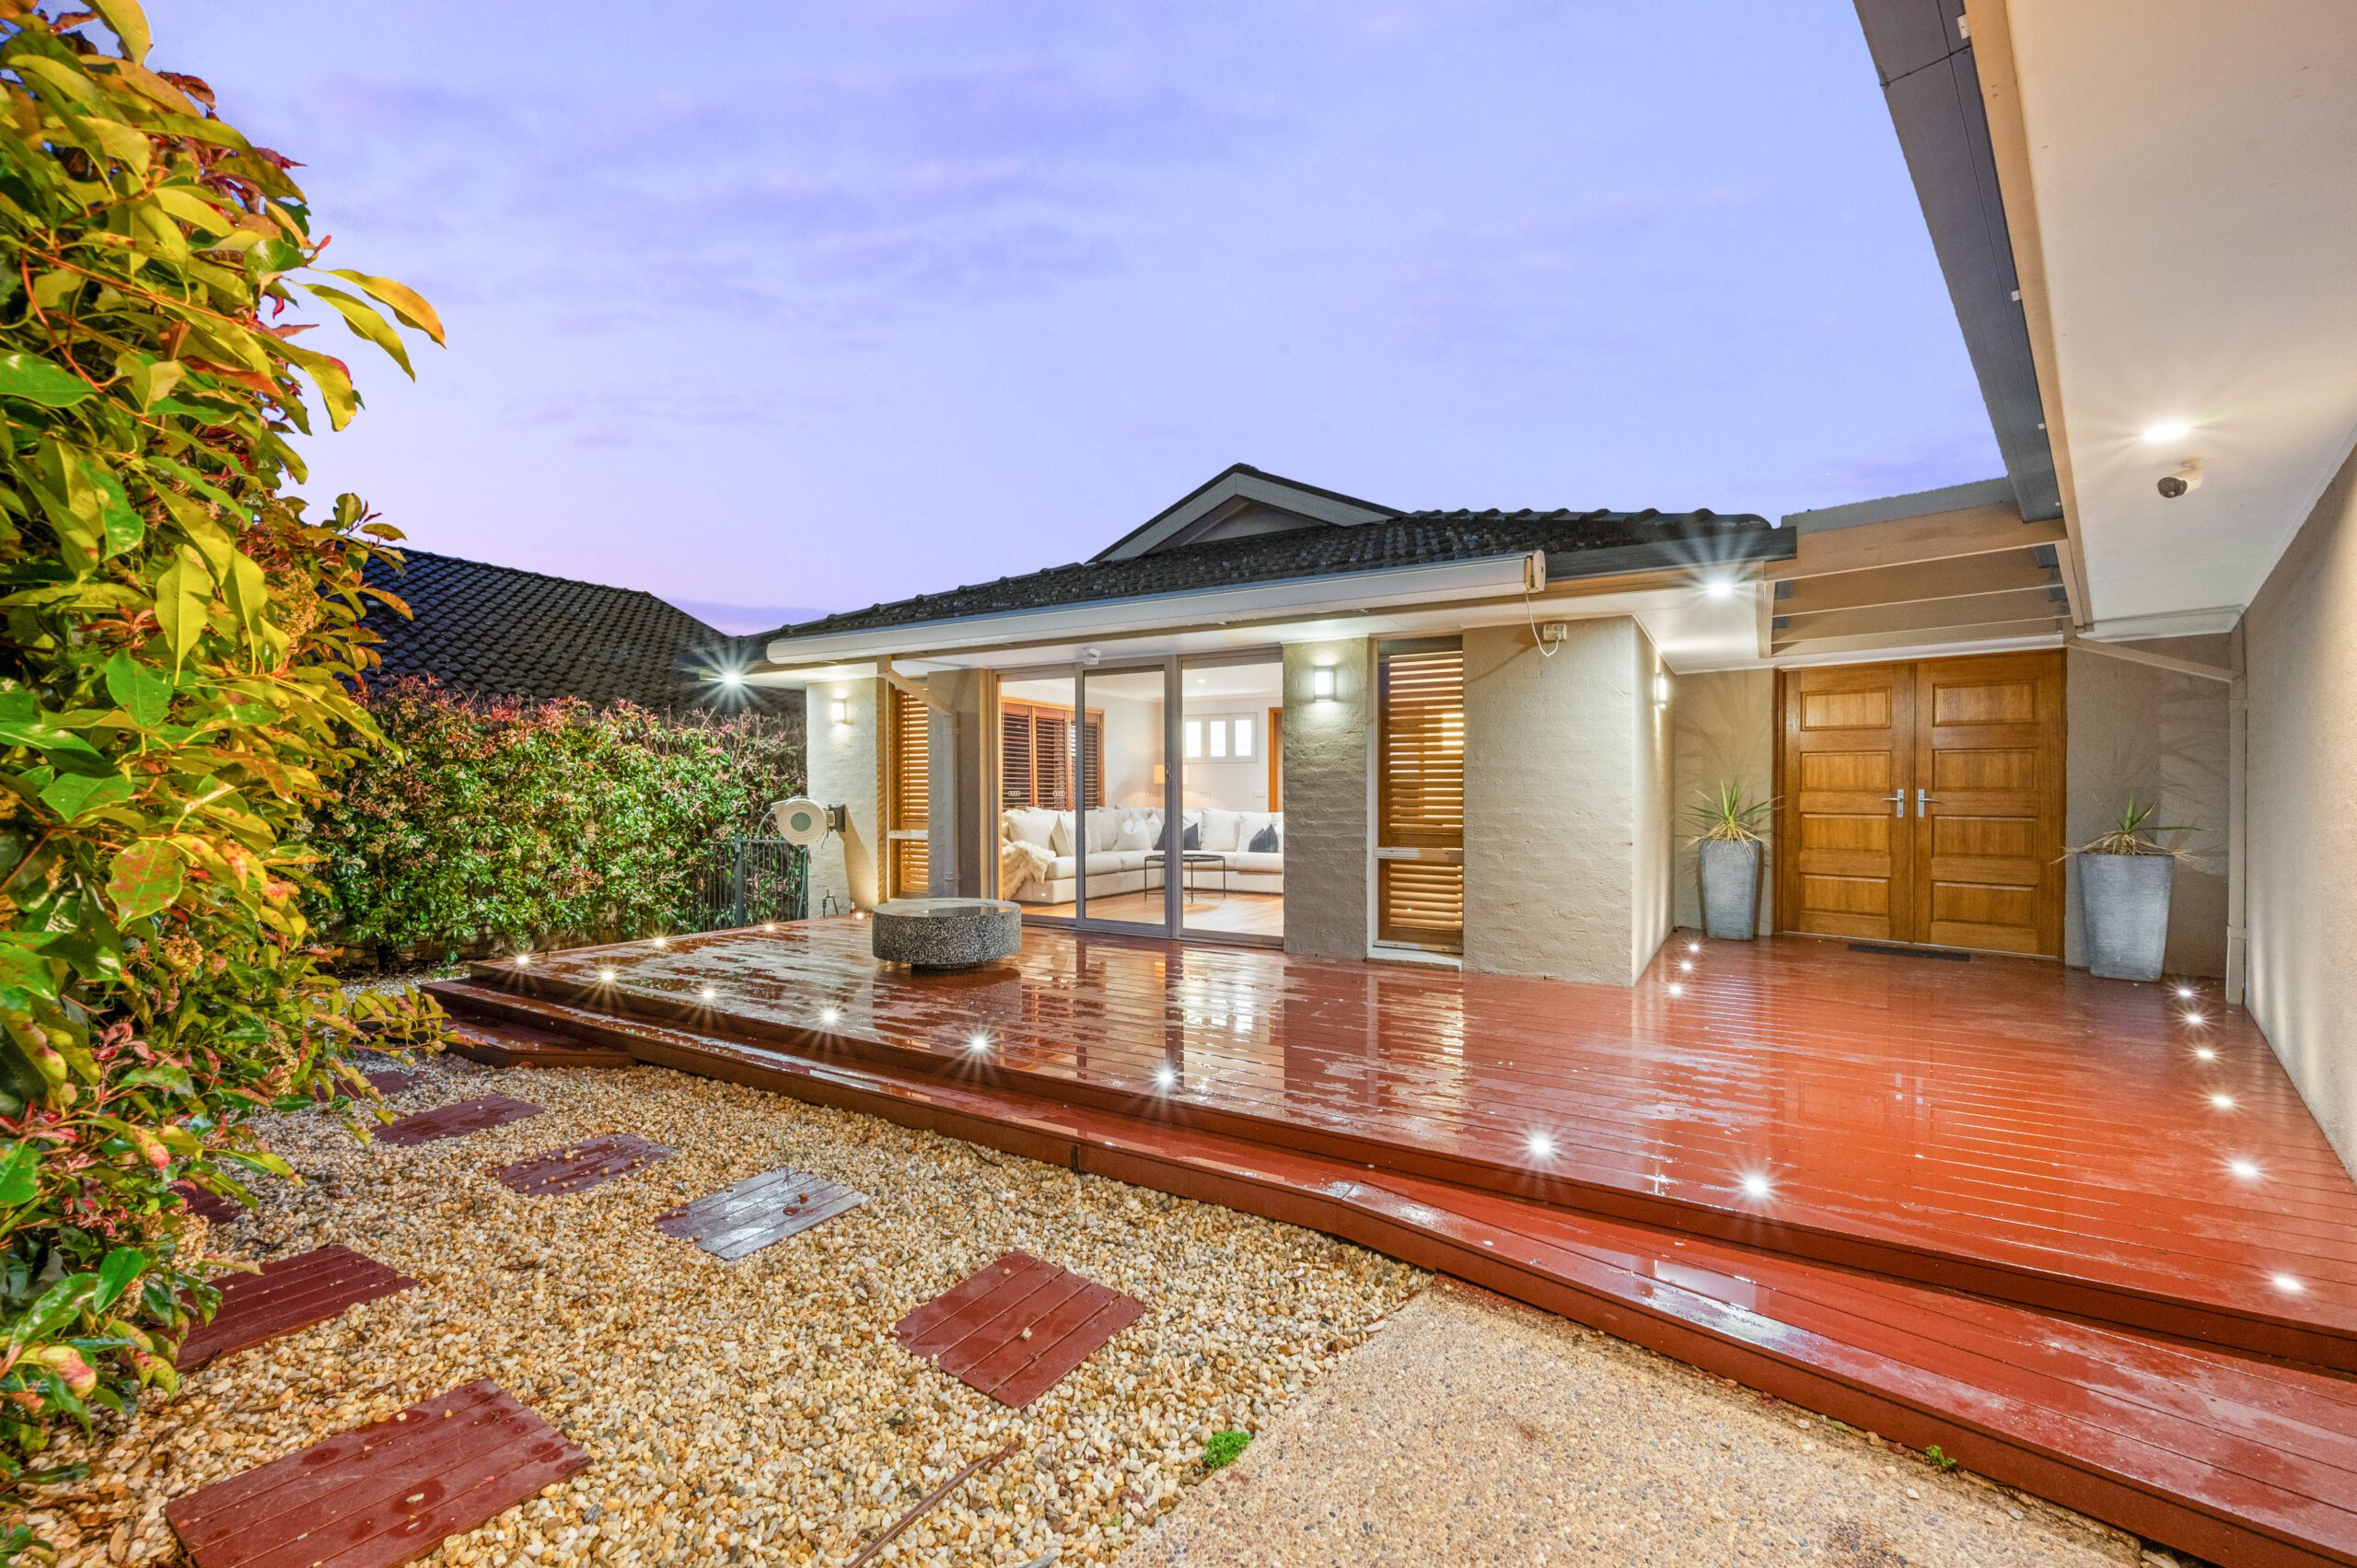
column 757, row 1411
column 1473, row 1429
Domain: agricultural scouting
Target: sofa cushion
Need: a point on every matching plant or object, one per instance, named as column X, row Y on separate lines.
column 1259, row 832
column 1032, row 825
column 1248, row 860
column 1138, row 831
column 1220, row 830
column 1104, row 829
column 1060, row 840
column 1194, row 835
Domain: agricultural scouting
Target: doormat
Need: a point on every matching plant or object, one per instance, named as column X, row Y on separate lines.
column 1888, row 951
column 739, row 1221
column 1014, row 1329
column 387, row 1492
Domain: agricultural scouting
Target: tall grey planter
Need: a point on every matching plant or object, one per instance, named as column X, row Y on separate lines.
column 1730, row 888
column 2124, row 906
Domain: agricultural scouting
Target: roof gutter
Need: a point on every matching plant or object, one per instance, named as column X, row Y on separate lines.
column 1495, row 577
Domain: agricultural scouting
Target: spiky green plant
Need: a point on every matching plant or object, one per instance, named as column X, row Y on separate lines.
column 1723, row 816
column 2134, row 835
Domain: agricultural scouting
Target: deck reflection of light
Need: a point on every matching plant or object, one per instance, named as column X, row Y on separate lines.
column 978, row 1043
column 1675, row 989
column 1693, row 946
column 1541, row 1145
column 2195, row 1019
column 1686, row 964
column 2243, row 1169
column 2224, row 1102
column 2185, row 993
column 1165, row 1075
column 2289, row 1285
column 2206, row 1054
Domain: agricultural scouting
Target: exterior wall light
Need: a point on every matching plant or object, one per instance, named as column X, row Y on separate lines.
column 732, row 678
column 1661, row 690
column 1321, row 683
column 842, row 710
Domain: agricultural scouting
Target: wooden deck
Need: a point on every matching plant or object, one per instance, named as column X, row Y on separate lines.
column 1963, row 1165
column 2000, row 1125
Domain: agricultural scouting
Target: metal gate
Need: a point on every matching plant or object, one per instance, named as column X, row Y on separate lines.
column 744, row 881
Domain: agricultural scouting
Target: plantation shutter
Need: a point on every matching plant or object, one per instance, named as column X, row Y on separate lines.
column 910, row 759
column 1420, row 795
column 1015, row 785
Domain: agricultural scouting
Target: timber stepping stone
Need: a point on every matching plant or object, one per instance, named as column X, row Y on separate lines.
column 384, row 1080
column 1015, row 1328
column 739, row 1221
column 380, row 1494
column 456, row 1121
column 289, row 1293
column 576, row 1167
column 206, row 1205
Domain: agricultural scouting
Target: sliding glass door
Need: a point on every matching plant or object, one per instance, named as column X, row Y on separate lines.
column 1146, row 796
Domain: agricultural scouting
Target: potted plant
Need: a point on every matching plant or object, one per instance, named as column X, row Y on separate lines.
column 1730, row 851
column 2125, row 876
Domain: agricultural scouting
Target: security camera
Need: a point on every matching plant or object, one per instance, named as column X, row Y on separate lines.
column 2186, row 480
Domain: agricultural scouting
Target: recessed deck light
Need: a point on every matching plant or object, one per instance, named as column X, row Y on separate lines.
column 2288, row 1284
column 828, row 1015
column 1541, row 1145
column 1693, row 946
column 708, row 993
column 661, row 940
column 2185, row 992
column 1686, row 965
column 1757, row 1185
column 2197, row 1019
column 523, row 957
column 2205, row 1053
column 607, row 975
column 1675, row 989
column 978, row 1043
column 769, row 925
column 2243, row 1169
column 1166, row 1076
column 2224, row 1102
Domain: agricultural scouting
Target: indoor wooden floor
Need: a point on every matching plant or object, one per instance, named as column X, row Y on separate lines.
column 1999, row 1125
column 1206, row 911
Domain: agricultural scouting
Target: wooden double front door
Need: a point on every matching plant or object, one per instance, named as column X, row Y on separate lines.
column 1923, row 802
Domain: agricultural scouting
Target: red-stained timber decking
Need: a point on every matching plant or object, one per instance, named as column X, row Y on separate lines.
column 2239, row 1458
column 288, row 1294
column 2003, row 1126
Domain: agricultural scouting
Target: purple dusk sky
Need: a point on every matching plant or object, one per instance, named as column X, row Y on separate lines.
column 768, row 308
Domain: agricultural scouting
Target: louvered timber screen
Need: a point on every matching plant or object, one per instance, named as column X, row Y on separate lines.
column 1420, row 795
column 911, row 782
column 1036, row 761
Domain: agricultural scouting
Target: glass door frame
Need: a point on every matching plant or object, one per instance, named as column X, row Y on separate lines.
column 1175, row 743
column 1173, row 888
column 1173, row 667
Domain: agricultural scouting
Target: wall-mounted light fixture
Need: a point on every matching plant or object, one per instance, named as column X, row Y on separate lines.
column 1321, row 683
column 841, row 710
column 732, row 678
column 1661, row 688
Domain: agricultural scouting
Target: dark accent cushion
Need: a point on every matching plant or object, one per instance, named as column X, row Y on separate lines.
column 1265, row 841
column 1194, row 839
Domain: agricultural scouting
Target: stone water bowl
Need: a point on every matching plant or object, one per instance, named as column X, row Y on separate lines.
column 946, row 933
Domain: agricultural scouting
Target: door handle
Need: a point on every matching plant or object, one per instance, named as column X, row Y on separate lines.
column 1897, row 803
column 1921, row 800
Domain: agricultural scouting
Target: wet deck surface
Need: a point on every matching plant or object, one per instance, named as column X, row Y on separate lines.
column 2002, row 1124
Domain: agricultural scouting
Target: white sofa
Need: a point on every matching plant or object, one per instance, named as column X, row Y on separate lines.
column 1046, row 862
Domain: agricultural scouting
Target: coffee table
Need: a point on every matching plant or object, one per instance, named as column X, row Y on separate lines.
column 1189, row 860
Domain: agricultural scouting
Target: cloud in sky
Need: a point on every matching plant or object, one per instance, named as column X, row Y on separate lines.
column 813, row 306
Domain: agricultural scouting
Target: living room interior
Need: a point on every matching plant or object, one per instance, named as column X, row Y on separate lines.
column 1102, row 782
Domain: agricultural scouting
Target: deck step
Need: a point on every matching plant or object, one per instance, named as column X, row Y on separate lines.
column 2233, row 1457
column 2055, row 1278
column 485, row 1029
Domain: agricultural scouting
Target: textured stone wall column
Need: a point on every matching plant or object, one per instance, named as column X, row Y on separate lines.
column 1552, row 814
column 846, row 765
column 1329, row 807
column 961, row 824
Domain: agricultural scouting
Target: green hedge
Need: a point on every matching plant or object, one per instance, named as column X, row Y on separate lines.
column 505, row 824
